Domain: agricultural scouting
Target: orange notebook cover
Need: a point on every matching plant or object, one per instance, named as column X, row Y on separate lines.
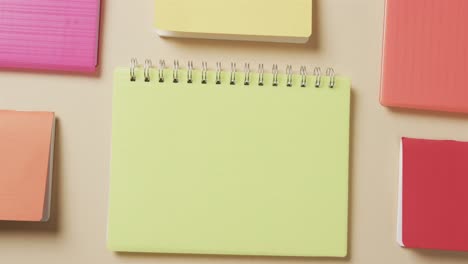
column 26, row 155
column 425, row 56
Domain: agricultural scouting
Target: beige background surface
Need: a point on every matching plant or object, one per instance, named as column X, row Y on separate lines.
column 347, row 35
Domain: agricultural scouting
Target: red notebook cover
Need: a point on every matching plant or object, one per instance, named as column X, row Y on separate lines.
column 434, row 194
column 425, row 55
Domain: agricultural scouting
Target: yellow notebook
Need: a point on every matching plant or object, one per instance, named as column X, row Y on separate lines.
column 229, row 161
column 258, row 20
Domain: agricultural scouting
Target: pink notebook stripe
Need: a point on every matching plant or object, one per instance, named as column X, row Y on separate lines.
column 49, row 34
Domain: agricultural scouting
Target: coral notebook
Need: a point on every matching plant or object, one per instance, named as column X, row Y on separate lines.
column 238, row 163
column 433, row 194
column 425, row 56
column 259, row 20
column 26, row 158
column 49, row 34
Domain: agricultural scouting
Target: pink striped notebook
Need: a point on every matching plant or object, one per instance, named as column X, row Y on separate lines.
column 425, row 57
column 49, row 34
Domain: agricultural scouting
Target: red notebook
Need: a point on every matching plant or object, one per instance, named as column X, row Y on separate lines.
column 425, row 56
column 433, row 195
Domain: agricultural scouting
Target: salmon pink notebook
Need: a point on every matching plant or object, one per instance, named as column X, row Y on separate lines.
column 425, row 55
column 26, row 158
column 49, row 34
column 433, row 195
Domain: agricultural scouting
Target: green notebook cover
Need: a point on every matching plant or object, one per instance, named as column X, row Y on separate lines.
column 229, row 169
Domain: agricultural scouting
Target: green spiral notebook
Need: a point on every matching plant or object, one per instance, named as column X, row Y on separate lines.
column 229, row 162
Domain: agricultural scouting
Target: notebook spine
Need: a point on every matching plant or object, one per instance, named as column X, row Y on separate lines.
column 148, row 65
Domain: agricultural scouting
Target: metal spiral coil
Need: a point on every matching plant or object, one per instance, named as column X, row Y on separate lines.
column 318, row 76
column 233, row 74
column 247, row 74
column 275, row 74
column 175, row 72
column 289, row 75
column 133, row 65
column 148, row 66
column 162, row 65
column 303, row 72
column 218, row 72
column 261, row 72
column 190, row 72
column 331, row 74
column 146, row 70
column 204, row 71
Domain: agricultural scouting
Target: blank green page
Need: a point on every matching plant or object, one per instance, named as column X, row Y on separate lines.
column 229, row 169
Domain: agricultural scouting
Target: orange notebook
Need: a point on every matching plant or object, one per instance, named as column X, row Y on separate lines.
column 425, row 56
column 26, row 158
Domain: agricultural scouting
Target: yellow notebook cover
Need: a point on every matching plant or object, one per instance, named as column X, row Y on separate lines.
column 257, row 20
column 229, row 169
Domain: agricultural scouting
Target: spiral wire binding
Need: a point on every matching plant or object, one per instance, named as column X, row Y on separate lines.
column 204, row 71
column 261, row 72
column 318, row 76
column 288, row 75
column 146, row 70
column 190, row 72
column 317, row 73
column 175, row 72
column 233, row 74
column 331, row 74
column 162, row 65
column 275, row 74
column 218, row 72
column 247, row 74
column 133, row 65
column 303, row 72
